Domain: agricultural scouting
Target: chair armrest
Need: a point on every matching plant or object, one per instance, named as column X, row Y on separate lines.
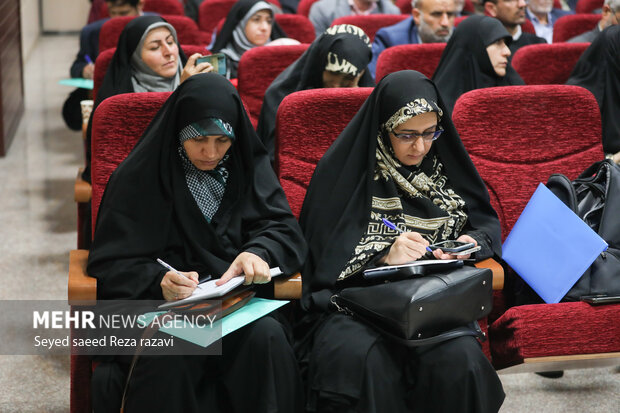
column 82, row 287
column 498, row 272
column 82, row 189
column 287, row 288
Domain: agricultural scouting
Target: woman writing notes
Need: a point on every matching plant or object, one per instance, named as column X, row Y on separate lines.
column 198, row 192
column 400, row 158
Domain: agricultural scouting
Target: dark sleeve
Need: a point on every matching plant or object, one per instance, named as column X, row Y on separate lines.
column 483, row 240
column 89, row 45
column 378, row 46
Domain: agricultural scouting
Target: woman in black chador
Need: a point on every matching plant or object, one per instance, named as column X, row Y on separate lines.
column 399, row 158
column 338, row 58
column 198, row 191
column 475, row 57
column 249, row 24
column 598, row 70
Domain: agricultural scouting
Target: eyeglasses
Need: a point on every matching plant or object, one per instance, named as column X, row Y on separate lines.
column 411, row 137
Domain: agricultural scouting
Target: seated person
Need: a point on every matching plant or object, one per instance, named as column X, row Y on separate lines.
column 512, row 15
column 399, row 158
column 208, row 203
column 431, row 21
column 249, row 24
column 338, row 58
column 543, row 16
column 475, row 57
column 610, row 15
column 324, row 12
column 598, row 71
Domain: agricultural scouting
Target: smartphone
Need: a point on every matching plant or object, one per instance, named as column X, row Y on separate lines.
column 600, row 299
column 217, row 60
column 453, row 246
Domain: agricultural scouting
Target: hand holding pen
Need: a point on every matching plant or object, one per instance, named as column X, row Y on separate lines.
column 176, row 284
column 408, row 246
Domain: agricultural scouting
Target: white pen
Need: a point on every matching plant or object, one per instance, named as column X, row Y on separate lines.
column 171, row 268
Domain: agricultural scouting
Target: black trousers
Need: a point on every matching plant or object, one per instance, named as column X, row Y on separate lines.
column 257, row 372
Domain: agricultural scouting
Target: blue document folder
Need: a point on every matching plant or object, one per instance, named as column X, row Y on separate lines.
column 77, row 82
column 550, row 247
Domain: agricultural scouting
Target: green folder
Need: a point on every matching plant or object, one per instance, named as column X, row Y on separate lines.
column 205, row 335
column 77, row 82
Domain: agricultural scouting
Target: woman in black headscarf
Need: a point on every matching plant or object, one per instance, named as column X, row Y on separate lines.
column 249, row 24
column 338, row 58
column 598, row 70
column 387, row 164
column 198, row 191
column 475, row 57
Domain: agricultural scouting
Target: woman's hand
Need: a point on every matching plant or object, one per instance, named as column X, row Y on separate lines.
column 409, row 246
column 255, row 269
column 440, row 255
column 178, row 286
column 616, row 157
column 191, row 68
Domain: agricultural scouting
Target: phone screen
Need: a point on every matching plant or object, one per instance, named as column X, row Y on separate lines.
column 452, row 246
column 217, row 60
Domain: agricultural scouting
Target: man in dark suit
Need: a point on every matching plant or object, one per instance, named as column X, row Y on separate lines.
column 512, row 15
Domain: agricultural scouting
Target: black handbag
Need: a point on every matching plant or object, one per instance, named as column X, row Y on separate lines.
column 423, row 310
column 595, row 197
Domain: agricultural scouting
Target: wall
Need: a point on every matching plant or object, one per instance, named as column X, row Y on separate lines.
column 31, row 25
column 64, row 15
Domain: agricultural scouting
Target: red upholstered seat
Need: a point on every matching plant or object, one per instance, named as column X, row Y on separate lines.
column 303, row 7
column 588, row 6
column 258, row 67
column 421, row 57
column 187, row 31
column 307, row 123
column 545, row 64
column 105, row 57
column 296, row 27
column 371, row 23
column 572, row 25
column 164, row 7
column 517, row 137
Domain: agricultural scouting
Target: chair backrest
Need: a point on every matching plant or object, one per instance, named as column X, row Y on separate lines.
column 258, row 67
column 528, row 27
column 517, row 136
column 421, row 57
column 164, row 7
column 304, row 6
column 307, row 123
column 371, row 23
column 118, row 123
column 572, row 25
column 588, row 6
column 297, row 27
column 547, row 64
column 186, row 28
column 105, row 57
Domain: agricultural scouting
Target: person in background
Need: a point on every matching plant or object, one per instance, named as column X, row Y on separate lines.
column 249, row 24
column 512, row 15
column 324, row 12
column 400, row 158
column 610, row 15
column 543, row 16
column 475, row 57
column 338, row 58
column 431, row 21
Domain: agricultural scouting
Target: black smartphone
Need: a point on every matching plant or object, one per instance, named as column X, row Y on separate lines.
column 600, row 299
column 452, row 246
column 217, row 60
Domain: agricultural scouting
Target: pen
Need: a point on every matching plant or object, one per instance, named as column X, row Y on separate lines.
column 170, row 267
column 391, row 225
column 90, row 62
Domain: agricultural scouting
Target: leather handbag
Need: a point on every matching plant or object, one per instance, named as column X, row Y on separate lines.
column 423, row 310
column 595, row 197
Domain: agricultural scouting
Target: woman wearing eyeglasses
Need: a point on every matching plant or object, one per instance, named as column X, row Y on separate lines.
column 400, row 158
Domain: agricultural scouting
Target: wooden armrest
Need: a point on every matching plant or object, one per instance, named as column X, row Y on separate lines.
column 82, row 189
column 498, row 272
column 288, row 288
column 82, row 287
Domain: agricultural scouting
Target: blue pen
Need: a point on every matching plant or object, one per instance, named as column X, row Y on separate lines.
column 88, row 59
column 391, row 225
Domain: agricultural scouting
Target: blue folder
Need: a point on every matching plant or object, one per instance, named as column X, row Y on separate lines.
column 77, row 82
column 550, row 247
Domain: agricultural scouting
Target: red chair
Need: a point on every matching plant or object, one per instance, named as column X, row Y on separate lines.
column 304, row 6
column 164, row 7
column 370, row 23
column 295, row 26
column 545, row 64
column 551, row 134
column 528, row 27
column 258, row 67
column 567, row 27
column 186, row 28
column 589, row 6
column 421, row 57
column 210, row 12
